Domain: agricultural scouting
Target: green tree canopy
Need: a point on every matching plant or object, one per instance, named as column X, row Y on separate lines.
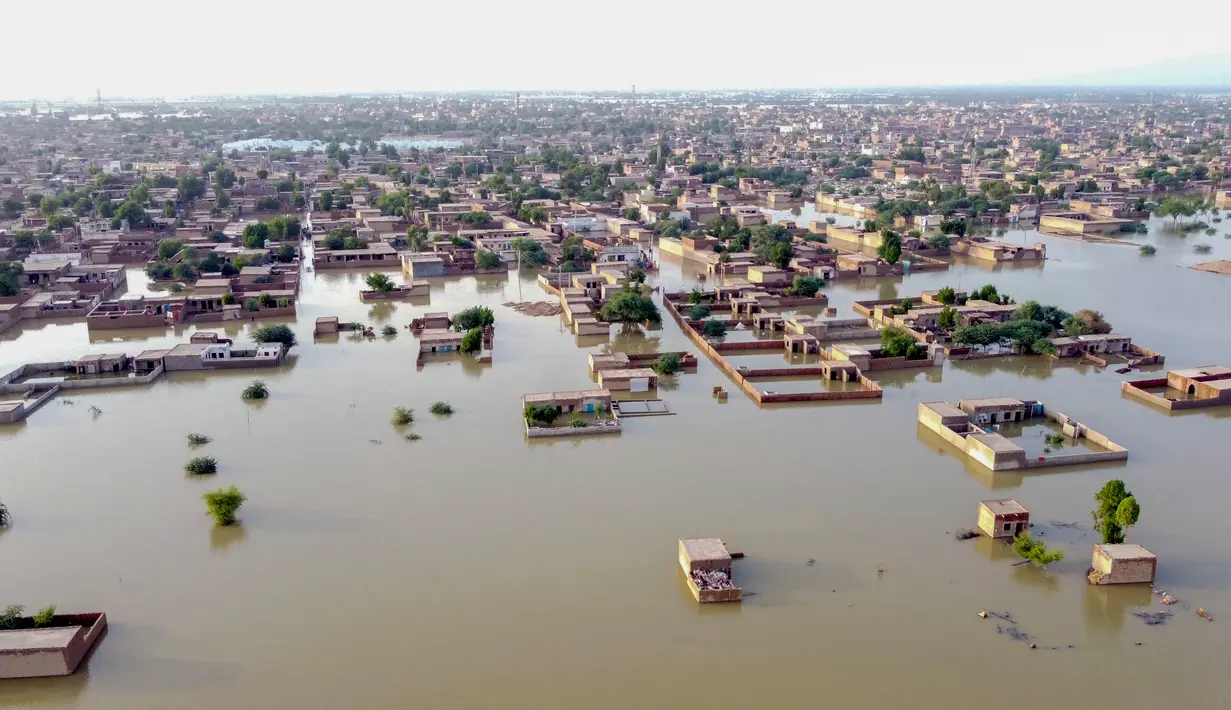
column 1116, row 510
column 630, row 307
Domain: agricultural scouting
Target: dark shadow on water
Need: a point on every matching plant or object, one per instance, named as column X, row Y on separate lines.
column 783, row 582
column 899, row 379
column 223, row 537
column 1108, row 607
column 995, row 549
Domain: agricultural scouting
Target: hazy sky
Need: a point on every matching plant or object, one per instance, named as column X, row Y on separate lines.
column 170, row 49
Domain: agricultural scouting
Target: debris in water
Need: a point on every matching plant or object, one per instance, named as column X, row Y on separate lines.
column 95, row 410
column 374, row 441
column 1070, row 526
column 965, row 534
column 1003, row 615
column 1156, row 618
column 1168, row 599
column 811, row 562
column 535, row 308
column 983, row 615
column 1201, row 613
column 1012, row 631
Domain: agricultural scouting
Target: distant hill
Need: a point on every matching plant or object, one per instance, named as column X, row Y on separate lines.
column 1210, row 70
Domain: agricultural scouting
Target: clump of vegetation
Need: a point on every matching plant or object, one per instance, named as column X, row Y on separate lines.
column 403, row 416
column 630, row 307
column 411, row 436
column 11, row 616
column 195, row 439
column 45, row 616
column 897, row 342
column 946, row 296
column 280, row 333
column 576, row 422
column 472, row 341
column 473, row 317
column 540, row 415
column 1117, row 509
column 806, row 286
column 713, row 328
column 202, row 465
column 1034, row 550
column 488, row 260
column 695, row 296
column 5, row 518
column 255, row 390
column 1203, row 248
column 442, row 408
column 1148, row 250
column 380, row 283
column 1053, row 441
column 223, row 503
column 698, row 313
column 668, row 364
column 389, row 331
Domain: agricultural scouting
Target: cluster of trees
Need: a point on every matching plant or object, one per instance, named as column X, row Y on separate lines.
column 890, row 249
column 10, row 278
column 1117, row 510
column 380, row 283
column 805, row 286
column 343, row 238
column 897, row 342
column 772, row 244
column 472, row 318
column 1178, row 206
column 630, row 307
column 729, row 177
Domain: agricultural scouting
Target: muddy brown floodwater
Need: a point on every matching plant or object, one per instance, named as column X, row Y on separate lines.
column 474, row 569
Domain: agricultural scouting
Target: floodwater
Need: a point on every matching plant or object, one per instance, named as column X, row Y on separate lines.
column 475, row 569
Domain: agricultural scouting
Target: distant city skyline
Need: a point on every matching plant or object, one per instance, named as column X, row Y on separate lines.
column 140, row 48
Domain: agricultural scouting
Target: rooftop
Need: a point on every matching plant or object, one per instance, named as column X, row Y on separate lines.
column 993, row 402
column 1003, row 506
column 997, row 443
column 1126, row 551
column 55, row 639
column 1202, row 371
column 705, row 548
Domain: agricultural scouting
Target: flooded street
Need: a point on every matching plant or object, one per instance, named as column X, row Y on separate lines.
column 477, row 569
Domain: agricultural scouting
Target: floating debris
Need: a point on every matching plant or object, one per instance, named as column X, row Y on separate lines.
column 1070, row 526
column 535, row 309
column 95, row 410
column 965, row 534
column 1003, row 615
column 1153, row 618
column 1013, row 632
column 67, row 402
column 983, row 615
column 1201, row 613
column 810, row 562
column 1168, row 599
column 374, row 441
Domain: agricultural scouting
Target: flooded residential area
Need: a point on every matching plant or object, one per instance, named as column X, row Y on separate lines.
column 862, row 510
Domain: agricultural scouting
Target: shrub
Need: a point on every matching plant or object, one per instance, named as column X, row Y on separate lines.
column 896, row 342
column 807, row 286
column 403, row 416
column 251, row 305
column 202, row 465
column 5, row 518
column 668, row 364
column 389, row 331
column 223, row 503
column 488, row 260
column 472, row 342
column 630, row 307
column 45, row 616
column 195, row 439
column 698, row 312
column 542, row 415
column 266, row 301
column 473, row 317
column 256, row 390
column 412, row 437
column 274, row 334
column 1148, row 250
column 576, row 422
column 11, row 615
column 228, row 298
column 442, row 408
column 380, row 283
column 1203, row 248
column 1034, row 550
column 713, row 328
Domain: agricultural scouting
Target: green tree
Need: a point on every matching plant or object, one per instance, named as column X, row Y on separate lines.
column 190, row 187
column 532, row 252
column 224, row 177
column 766, row 237
column 1116, row 510
column 1034, row 550
column 326, row 200
column 10, row 277
column 890, row 249
column 417, row 238
column 484, row 259
column 780, row 254
column 472, row 341
column 279, row 333
column 668, row 364
column 473, row 317
column 380, row 283
column 897, row 342
column 284, row 227
column 168, row 248
column 713, row 328
column 698, row 312
column 946, row 296
column 807, row 286
column 630, row 307
column 939, row 241
column 540, row 415
column 255, row 234
column 1086, row 322
column 947, row 318
column 222, row 504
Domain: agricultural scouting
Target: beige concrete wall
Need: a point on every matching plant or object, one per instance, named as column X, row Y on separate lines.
column 1136, row 571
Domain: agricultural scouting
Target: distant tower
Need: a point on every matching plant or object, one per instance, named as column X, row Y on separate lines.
column 98, row 95
column 517, row 103
column 634, row 92
column 34, row 109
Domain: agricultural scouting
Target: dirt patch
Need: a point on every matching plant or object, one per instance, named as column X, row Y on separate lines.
column 536, row 308
column 1222, row 266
